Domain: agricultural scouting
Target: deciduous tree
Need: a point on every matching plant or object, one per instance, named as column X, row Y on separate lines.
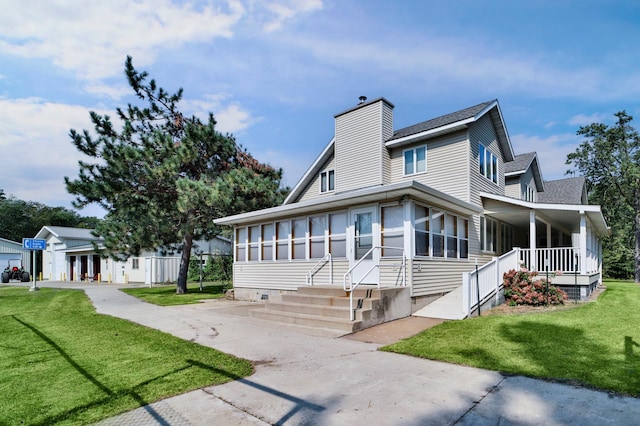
column 609, row 158
column 164, row 177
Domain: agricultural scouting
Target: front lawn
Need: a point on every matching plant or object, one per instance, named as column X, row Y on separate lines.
column 597, row 344
column 62, row 363
column 165, row 295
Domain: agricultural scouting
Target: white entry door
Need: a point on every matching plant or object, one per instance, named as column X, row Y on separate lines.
column 364, row 235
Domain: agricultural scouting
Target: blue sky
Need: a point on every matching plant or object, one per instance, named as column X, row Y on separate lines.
column 274, row 73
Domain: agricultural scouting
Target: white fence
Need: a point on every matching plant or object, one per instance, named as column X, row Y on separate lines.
column 161, row 269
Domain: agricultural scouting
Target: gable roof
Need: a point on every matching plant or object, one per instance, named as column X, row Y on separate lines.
column 563, row 191
column 521, row 163
column 456, row 121
column 444, row 124
column 67, row 233
column 444, row 120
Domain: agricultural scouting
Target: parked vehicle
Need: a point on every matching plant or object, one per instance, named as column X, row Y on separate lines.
column 15, row 271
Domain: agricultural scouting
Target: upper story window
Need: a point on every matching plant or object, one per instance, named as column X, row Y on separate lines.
column 327, row 181
column 488, row 164
column 530, row 194
column 415, row 160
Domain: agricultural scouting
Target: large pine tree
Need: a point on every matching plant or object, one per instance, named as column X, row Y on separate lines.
column 163, row 178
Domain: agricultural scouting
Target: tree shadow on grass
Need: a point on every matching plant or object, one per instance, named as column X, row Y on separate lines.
column 567, row 354
column 133, row 392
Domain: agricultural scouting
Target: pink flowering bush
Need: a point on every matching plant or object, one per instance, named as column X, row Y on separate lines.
column 523, row 288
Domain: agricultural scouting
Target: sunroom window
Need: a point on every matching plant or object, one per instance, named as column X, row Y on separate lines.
column 392, row 231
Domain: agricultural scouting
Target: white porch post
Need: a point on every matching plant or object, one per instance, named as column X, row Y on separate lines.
column 409, row 235
column 532, row 241
column 583, row 243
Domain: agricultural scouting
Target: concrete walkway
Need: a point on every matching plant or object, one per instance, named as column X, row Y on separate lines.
column 311, row 380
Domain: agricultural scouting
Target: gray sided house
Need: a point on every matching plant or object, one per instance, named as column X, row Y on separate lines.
column 11, row 251
column 417, row 209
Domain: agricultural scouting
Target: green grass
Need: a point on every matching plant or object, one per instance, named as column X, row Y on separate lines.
column 165, row 295
column 62, row 363
column 596, row 344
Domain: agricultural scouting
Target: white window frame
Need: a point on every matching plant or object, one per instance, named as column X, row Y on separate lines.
column 490, row 163
column 414, row 164
column 327, row 181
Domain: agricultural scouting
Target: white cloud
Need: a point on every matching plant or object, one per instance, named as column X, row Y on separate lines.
column 583, row 120
column 34, row 134
column 115, row 92
column 287, row 10
column 231, row 117
column 92, row 39
column 552, row 151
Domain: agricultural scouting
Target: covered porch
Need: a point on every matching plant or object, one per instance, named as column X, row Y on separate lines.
column 563, row 238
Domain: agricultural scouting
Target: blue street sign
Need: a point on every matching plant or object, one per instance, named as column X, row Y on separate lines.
column 33, row 244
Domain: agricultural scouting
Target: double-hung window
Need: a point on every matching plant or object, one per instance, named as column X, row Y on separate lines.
column 415, row 160
column 327, row 181
column 488, row 164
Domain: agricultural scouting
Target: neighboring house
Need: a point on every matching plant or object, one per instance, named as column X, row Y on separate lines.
column 70, row 255
column 12, row 251
column 418, row 207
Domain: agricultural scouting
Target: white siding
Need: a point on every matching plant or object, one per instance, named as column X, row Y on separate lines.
column 284, row 275
column 359, row 148
column 435, row 277
column 387, row 132
column 512, row 187
column 312, row 191
column 483, row 132
column 447, row 165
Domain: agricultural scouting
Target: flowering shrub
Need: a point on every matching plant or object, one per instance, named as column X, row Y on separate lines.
column 523, row 288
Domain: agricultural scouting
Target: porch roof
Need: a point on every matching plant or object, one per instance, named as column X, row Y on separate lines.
column 358, row 197
column 565, row 216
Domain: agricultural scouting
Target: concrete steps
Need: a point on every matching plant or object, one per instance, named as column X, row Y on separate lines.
column 327, row 307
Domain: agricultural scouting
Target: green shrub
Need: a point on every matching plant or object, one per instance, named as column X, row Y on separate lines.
column 217, row 268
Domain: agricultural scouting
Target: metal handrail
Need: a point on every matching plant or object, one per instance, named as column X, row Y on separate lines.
column 318, row 266
column 353, row 286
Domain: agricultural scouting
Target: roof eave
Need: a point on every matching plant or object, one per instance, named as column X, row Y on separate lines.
column 361, row 196
column 593, row 211
column 311, row 171
column 431, row 133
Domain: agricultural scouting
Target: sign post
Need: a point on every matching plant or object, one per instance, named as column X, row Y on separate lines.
column 33, row 245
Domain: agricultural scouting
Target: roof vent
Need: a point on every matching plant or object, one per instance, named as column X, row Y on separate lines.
column 362, row 99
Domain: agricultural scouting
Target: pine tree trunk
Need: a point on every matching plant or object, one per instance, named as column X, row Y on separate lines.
column 187, row 243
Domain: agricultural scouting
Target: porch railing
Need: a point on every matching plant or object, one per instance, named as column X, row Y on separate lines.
column 562, row 259
column 318, row 266
column 353, row 285
column 478, row 284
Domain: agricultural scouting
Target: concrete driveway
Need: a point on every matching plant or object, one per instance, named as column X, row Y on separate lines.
column 307, row 379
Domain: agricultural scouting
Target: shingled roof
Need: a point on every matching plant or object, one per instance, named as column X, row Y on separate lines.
column 444, row 120
column 520, row 163
column 563, row 191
